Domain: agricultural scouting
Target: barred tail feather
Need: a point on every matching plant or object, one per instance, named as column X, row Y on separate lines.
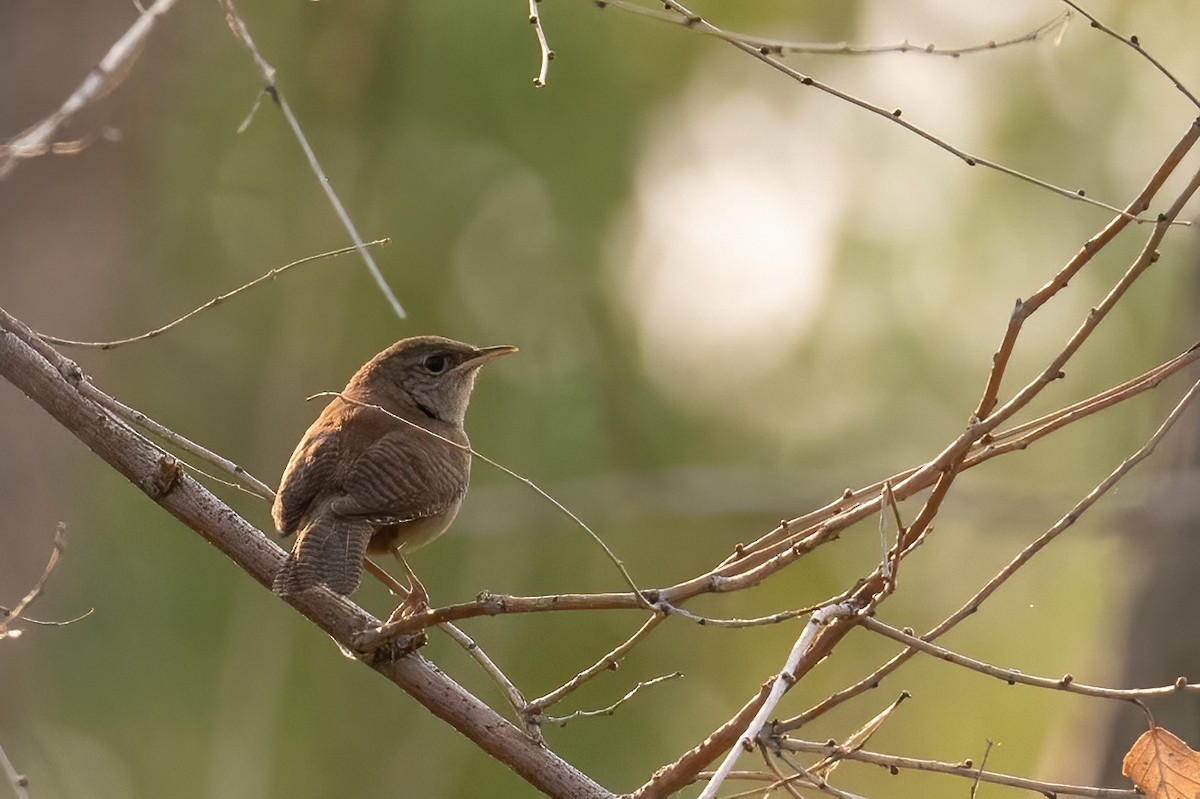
column 330, row 552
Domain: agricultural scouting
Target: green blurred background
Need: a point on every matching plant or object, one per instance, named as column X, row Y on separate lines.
column 734, row 297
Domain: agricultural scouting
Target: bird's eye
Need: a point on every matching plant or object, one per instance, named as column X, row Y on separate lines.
column 435, row 364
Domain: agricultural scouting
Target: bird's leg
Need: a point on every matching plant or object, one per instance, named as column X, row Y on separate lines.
column 417, row 600
column 418, row 597
column 388, row 580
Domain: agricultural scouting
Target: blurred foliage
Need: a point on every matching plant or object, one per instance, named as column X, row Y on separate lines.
column 513, row 214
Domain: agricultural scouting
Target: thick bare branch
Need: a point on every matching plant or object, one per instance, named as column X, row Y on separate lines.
column 159, row 475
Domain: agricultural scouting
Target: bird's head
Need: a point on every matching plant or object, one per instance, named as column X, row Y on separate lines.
column 434, row 375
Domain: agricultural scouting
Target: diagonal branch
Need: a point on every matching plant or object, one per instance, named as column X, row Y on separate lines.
column 1133, row 42
column 159, row 475
column 238, row 26
column 1027, row 307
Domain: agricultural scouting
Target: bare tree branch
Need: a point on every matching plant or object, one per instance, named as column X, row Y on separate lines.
column 104, row 77
column 238, row 26
column 17, row 612
column 215, row 301
column 966, row 770
column 683, row 16
column 55, row 387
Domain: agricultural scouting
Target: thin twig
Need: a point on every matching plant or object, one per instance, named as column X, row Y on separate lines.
column 139, row 419
column 966, row 770
column 859, row 738
column 238, row 26
column 467, row 448
column 108, row 345
column 983, row 762
column 781, row 779
column 513, row 694
column 1056, row 26
column 607, row 663
column 490, row 604
column 71, row 372
column 102, row 79
column 1027, row 307
column 813, row 780
column 1065, row 683
column 1020, row 436
column 19, row 782
column 693, row 21
column 535, row 19
column 561, row 721
column 26, row 619
column 1135, row 43
column 971, row 606
column 13, row 615
column 783, row 47
column 738, row 624
column 750, row 776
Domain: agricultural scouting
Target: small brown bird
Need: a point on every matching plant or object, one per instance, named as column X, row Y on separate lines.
column 362, row 480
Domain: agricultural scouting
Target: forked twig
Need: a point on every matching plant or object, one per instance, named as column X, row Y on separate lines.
column 782, row 47
column 607, row 663
column 71, row 372
column 1025, row 308
column 239, row 29
column 17, row 612
column 692, row 21
column 561, row 721
column 971, row 606
column 102, row 79
column 779, row 686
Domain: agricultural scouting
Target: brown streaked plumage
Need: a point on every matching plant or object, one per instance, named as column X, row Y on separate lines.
column 362, row 481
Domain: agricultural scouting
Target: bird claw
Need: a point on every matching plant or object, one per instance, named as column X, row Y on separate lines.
column 398, row 627
column 381, row 644
column 411, row 607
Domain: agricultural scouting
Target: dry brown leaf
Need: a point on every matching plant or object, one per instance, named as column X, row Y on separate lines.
column 1162, row 766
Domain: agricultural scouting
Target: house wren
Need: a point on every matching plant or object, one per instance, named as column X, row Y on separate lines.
column 363, row 481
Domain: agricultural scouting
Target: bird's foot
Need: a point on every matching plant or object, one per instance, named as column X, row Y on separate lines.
column 380, row 644
column 415, row 604
column 403, row 624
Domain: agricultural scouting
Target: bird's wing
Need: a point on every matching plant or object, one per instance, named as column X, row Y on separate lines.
column 310, row 469
column 404, row 476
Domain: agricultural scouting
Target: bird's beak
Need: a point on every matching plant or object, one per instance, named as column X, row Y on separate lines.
column 485, row 354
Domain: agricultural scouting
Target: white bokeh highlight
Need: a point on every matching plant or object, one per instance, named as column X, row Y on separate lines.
column 722, row 258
